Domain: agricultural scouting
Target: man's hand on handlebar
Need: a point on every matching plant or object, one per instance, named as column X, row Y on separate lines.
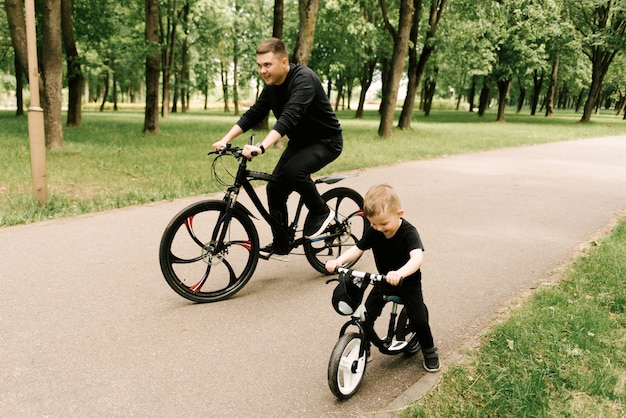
column 219, row 144
column 250, row 151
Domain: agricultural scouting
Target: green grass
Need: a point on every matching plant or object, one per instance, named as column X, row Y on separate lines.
column 108, row 163
column 562, row 354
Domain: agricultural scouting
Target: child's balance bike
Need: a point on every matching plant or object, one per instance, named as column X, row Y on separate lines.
column 349, row 358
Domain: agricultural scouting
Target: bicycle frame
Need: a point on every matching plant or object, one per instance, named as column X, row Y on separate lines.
column 243, row 180
column 366, row 328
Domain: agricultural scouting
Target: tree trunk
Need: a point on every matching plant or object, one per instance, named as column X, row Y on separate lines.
column 366, row 81
column 400, row 45
column 471, row 94
column 483, row 101
column 306, row 33
column 413, row 82
column 176, row 89
column 522, row 96
column 550, row 96
column 504, row 87
column 167, row 56
column 224, row 78
column 599, row 68
column 429, row 89
column 19, row 89
column 436, row 11
column 236, row 75
column 621, row 104
column 153, row 67
column 459, row 93
column 279, row 11
column 105, row 96
column 52, row 70
column 17, row 28
column 114, row 91
column 74, row 73
column 184, row 61
column 537, row 84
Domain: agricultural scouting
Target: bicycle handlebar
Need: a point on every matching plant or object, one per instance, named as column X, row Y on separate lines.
column 228, row 149
column 362, row 274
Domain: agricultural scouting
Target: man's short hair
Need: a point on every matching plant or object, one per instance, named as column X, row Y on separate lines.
column 273, row 45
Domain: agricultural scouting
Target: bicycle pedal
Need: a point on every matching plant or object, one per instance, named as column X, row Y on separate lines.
column 397, row 346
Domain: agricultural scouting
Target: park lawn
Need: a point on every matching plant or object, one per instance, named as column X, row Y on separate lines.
column 108, row 163
column 562, row 353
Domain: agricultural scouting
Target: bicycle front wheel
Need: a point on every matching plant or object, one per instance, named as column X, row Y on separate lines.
column 206, row 256
column 343, row 232
column 346, row 366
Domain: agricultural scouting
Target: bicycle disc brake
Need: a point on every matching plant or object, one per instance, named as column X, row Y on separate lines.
column 210, row 256
column 342, row 231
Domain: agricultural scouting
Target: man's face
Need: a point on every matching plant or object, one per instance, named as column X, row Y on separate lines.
column 272, row 68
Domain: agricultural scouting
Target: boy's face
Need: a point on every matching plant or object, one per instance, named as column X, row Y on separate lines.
column 272, row 68
column 386, row 222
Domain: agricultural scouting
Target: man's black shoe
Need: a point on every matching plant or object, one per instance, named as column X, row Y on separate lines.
column 268, row 252
column 318, row 224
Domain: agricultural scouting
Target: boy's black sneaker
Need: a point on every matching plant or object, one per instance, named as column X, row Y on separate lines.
column 431, row 359
column 318, row 224
column 268, row 252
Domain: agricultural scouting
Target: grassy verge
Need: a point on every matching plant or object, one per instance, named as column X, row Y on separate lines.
column 108, row 163
column 561, row 354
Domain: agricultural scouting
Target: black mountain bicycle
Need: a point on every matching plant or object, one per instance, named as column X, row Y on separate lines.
column 210, row 249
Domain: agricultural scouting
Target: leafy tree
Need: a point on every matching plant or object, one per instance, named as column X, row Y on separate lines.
column 400, row 36
column 417, row 67
column 341, row 55
column 602, row 27
column 467, row 34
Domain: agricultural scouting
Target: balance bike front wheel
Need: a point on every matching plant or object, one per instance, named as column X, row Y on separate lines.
column 346, row 367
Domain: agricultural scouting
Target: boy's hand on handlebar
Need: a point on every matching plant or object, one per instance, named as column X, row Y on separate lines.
column 394, row 278
column 332, row 265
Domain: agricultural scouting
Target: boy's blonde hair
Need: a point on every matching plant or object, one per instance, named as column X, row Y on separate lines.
column 379, row 199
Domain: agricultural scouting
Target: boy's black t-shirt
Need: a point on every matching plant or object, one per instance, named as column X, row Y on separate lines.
column 391, row 254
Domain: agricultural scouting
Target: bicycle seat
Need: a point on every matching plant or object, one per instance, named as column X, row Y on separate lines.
column 393, row 298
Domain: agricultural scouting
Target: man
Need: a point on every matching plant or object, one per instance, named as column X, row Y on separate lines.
column 304, row 114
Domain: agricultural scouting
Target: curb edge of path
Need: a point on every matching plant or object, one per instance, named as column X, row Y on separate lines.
column 427, row 382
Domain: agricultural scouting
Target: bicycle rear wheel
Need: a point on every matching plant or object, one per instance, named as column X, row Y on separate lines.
column 343, row 232
column 346, row 366
column 205, row 256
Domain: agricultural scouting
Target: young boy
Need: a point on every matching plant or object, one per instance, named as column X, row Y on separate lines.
column 398, row 253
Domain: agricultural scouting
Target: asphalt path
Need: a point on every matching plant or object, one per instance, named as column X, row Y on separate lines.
column 89, row 327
